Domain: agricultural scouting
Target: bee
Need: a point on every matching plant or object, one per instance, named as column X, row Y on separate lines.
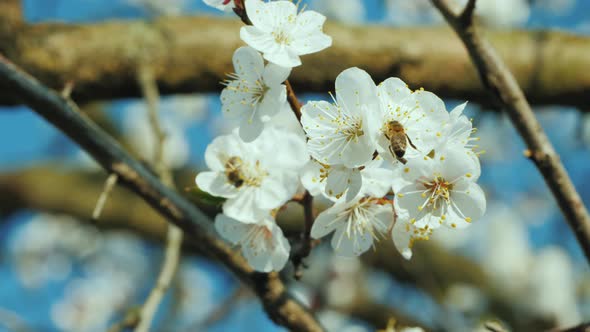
column 398, row 140
column 233, row 171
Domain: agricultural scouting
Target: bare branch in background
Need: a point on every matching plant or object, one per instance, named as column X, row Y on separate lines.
column 500, row 82
column 279, row 305
column 173, row 234
column 187, row 56
column 102, row 199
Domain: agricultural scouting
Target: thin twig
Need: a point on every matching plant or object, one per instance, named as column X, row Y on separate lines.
column 174, row 234
column 304, row 249
column 497, row 78
column 102, row 199
column 293, row 101
column 279, row 305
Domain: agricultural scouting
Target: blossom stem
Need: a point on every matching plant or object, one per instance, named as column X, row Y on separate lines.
column 498, row 79
column 293, row 101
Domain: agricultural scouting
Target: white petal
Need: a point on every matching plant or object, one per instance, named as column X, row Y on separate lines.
column 354, row 89
column 281, row 150
column 410, row 200
column 248, row 63
column 469, row 204
column 401, row 238
column 276, row 190
column 310, row 178
column 350, row 245
column 282, row 56
column 458, row 110
column 393, row 90
column 270, row 252
column 341, row 179
column 220, row 149
column 251, row 128
column 376, row 181
column 275, row 75
column 272, row 102
column 311, row 44
column 458, row 163
column 216, row 184
column 230, row 229
column 327, row 221
column 236, row 103
column 260, row 15
column 308, row 23
column 243, row 206
column 258, row 39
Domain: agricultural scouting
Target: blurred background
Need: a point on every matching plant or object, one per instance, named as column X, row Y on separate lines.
column 61, row 271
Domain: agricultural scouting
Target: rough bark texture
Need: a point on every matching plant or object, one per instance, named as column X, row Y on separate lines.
column 193, row 54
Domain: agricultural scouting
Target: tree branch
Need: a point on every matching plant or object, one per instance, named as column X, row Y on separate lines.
column 279, row 305
column 185, row 53
column 497, row 78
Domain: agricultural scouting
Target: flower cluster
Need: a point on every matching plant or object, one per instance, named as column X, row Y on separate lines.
column 256, row 167
column 377, row 140
column 394, row 162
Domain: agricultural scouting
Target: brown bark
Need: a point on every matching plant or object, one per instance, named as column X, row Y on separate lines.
column 193, row 54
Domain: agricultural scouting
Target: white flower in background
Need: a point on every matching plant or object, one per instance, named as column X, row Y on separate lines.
column 89, row 303
column 254, row 92
column 415, row 12
column 196, row 303
column 356, row 224
column 501, row 13
column 406, row 124
column 225, row 5
column 263, row 244
column 336, row 132
column 334, row 181
column 42, row 253
column 281, row 34
column 161, row 7
column 349, row 11
column 553, row 290
column 139, row 133
column 441, row 191
column 254, row 177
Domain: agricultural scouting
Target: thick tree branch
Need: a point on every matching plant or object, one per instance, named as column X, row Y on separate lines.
column 280, row 306
column 500, row 82
column 188, row 55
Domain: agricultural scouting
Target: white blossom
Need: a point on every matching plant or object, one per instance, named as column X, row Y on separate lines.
column 254, row 177
column 336, row 132
column 356, row 224
column 255, row 92
column 336, row 180
column 282, row 34
column 414, row 118
column 263, row 244
column 225, row 5
column 442, row 190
